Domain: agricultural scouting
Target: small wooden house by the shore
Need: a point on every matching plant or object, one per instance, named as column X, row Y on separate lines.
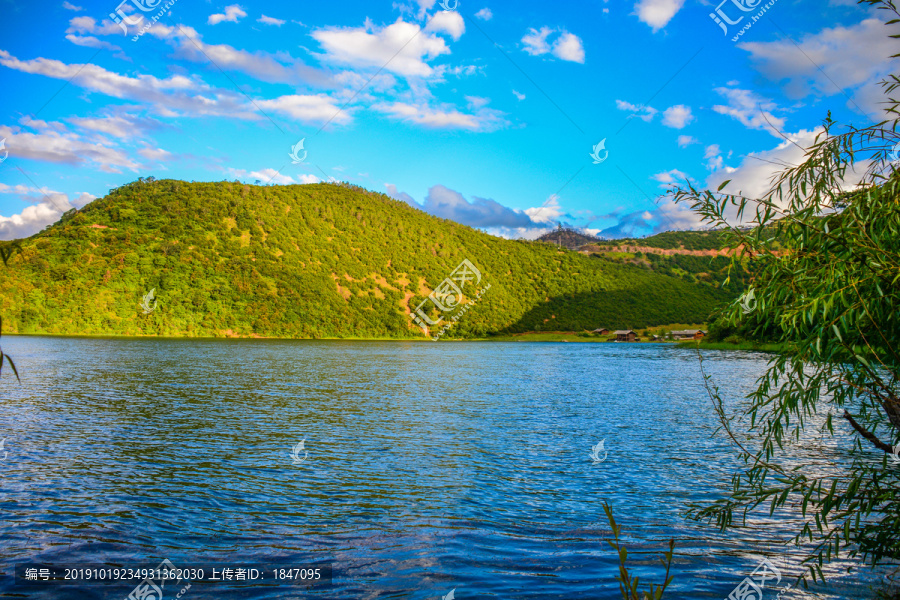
column 626, row 335
column 689, row 334
column 602, row 331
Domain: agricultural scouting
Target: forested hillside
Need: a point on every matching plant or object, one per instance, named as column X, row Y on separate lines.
column 307, row 261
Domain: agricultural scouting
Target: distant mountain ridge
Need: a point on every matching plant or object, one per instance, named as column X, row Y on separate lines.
column 311, row 261
column 567, row 237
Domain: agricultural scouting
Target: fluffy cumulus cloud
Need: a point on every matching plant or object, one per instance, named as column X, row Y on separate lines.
column 569, row 47
column 685, row 140
column 400, row 48
column 678, row 116
column 565, row 46
column 485, row 14
column 449, row 22
column 827, row 63
column 753, row 176
column 45, row 207
column 232, row 14
column 657, row 13
column 548, row 213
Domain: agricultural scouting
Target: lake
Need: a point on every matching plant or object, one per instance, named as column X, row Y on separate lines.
column 426, row 467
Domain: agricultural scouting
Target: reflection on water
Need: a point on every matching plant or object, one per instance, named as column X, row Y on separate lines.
column 426, row 467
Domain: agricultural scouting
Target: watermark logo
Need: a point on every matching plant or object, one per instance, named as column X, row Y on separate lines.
column 450, row 596
column 145, row 303
column 296, row 450
column 601, row 147
column 723, row 19
column 123, row 20
column 447, row 8
column 748, row 301
column 894, row 155
column 5, row 453
column 752, row 587
column 295, row 152
column 447, row 297
column 3, row 148
column 165, row 572
column 596, row 450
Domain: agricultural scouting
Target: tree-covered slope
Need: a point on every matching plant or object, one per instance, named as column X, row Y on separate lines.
column 307, row 261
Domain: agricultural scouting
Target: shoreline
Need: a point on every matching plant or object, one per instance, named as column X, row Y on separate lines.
column 531, row 337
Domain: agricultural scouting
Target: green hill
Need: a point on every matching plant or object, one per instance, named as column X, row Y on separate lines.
column 308, row 261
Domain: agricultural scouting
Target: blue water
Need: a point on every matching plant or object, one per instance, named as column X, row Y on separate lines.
column 431, row 466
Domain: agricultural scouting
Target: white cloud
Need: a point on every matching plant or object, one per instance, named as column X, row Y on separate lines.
column 569, row 47
column 853, row 58
column 685, row 140
column 485, row 14
column 443, row 202
column 176, row 95
column 645, row 113
column 278, row 68
column 89, row 25
column 548, row 213
column 90, row 41
column 444, row 116
column 157, row 154
column 119, row 127
column 751, row 110
column 232, row 14
column 70, row 6
column 657, row 13
column 536, row 41
column 61, row 147
column 270, row 21
column 518, row 95
column 754, row 175
column 712, row 154
column 306, row 109
column 678, row 116
column 268, row 175
column 449, row 22
column 46, row 207
column 400, row 47
column 168, row 95
column 667, row 178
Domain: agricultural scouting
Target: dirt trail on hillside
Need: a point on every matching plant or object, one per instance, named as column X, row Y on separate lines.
column 591, row 249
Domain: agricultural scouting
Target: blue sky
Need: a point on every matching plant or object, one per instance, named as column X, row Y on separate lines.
column 486, row 114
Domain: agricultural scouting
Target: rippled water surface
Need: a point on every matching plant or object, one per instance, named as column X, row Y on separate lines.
column 431, row 467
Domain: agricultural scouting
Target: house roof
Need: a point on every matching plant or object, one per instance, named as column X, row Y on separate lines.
column 689, row 332
column 624, row 331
